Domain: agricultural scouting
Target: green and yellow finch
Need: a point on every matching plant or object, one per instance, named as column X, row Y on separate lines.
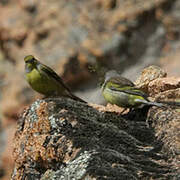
column 122, row 92
column 44, row 80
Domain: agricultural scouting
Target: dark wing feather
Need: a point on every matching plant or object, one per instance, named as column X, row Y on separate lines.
column 53, row 74
column 131, row 90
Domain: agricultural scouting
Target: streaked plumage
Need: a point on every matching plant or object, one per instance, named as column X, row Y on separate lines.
column 122, row 92
column 44, row 80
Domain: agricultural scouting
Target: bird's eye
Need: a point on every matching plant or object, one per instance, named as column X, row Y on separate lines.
column 30, row 61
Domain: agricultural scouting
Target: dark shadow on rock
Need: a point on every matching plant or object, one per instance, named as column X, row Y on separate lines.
column 59, row 138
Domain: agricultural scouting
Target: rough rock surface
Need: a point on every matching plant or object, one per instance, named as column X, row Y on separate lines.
column 69, row 35
column 163, row 84
column 60, row 138
column 149, row 74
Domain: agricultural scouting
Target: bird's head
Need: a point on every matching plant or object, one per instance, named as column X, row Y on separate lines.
column 30, row 63
column 114, row 79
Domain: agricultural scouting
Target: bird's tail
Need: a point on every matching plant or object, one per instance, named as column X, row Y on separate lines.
column 77, row 98
column 72, row 96
column 159, row 103
column 170, row 103
column 150, row 103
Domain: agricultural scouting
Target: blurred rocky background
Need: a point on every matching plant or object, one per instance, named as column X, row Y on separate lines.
column 72, row 35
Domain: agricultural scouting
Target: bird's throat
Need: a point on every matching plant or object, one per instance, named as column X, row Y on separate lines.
column 28, row 68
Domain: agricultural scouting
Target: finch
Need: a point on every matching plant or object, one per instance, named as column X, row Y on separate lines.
column 44, row 80
column 122, row 92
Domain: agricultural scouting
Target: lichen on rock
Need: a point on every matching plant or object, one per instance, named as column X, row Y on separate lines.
column 59, row 138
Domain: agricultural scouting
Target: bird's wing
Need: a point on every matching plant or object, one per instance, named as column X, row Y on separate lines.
column 130, row 90
column 121, row 81
column 53, row 74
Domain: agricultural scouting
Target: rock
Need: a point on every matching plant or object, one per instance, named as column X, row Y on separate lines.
column 119, row 34
column 147, row 75
column 163, row 84
column 59, row 138
column 169, row 95
column 166, row 126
